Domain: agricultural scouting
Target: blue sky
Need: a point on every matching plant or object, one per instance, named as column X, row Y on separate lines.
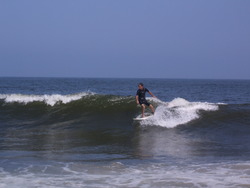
column 125, row 38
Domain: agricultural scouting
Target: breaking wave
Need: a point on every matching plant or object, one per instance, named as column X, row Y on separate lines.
column 90, row 105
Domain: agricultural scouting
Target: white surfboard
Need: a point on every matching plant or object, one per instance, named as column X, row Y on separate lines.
column 139, row 118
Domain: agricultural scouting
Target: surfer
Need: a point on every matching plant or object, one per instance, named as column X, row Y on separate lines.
column 140, row 98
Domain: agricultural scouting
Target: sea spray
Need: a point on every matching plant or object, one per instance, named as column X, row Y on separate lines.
column 177, row 112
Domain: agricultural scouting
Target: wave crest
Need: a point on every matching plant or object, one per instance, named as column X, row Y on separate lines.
column 50, row 100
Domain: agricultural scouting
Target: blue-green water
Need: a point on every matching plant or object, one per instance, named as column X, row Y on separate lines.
column 79, row 132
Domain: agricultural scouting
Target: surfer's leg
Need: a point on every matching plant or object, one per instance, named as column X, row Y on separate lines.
column 142, row 110
column 152, row 108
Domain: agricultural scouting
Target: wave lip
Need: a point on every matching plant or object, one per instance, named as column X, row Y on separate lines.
column 50, row 100
column 177, row 112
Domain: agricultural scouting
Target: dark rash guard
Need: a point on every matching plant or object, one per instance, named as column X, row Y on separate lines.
column 141, row 93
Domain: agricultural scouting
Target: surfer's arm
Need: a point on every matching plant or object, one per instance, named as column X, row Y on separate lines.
column 152, row 94
column 137, row 99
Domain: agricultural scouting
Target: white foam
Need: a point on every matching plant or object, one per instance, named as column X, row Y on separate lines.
column 141, row 175
column 48, row 99
column 177, row 112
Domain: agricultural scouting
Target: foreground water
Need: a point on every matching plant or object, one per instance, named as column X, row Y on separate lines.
column 65, row 132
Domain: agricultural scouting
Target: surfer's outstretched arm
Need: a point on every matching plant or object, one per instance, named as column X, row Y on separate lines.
column 152, row 94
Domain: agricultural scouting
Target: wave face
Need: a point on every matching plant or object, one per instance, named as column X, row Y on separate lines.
column 64, row 111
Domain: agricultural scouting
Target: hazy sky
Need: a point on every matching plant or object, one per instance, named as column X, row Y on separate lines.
column 125, row 38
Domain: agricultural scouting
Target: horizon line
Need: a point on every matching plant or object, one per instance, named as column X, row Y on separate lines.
column 90, row 77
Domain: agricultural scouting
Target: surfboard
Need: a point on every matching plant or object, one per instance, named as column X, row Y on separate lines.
column 139, row 118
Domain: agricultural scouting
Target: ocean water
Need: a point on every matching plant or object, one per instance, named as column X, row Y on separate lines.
column 79, row 132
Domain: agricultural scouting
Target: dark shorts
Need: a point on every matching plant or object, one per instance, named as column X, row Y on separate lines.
column 144, row 102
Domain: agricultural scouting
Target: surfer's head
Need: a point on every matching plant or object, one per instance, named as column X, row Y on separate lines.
column 140, row 86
